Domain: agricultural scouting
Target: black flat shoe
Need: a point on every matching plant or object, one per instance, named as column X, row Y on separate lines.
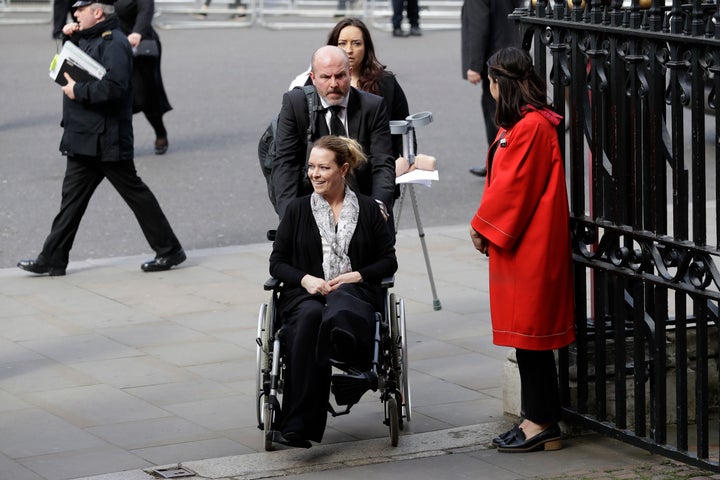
column 161, row 146
column 504, row 437
column 548, row 439
column 292, row 439
column 159, row 264
column 479, row 171
column 40, row 267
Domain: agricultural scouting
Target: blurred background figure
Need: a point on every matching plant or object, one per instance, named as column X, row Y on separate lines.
column 149, row 94
column 413, row 16
column 61, row 9
column 236, row 4
column 485, row 29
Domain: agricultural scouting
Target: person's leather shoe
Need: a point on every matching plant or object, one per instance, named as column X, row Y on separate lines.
column 159, row 264
column 548, row 439
column 40, row 267
column 504, row 437
column 292, row 439
column 479, row 171
column 161, row 146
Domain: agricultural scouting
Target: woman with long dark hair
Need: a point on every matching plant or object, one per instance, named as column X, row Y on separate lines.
column 149, row 94
column 522, row 224
column 368, row 74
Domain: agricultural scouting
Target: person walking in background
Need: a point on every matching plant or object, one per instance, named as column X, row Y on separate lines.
column 413, row 16
column 149, row 94
column 485, row 28
column 98, row 143
column 61, row 10
column 522, row 224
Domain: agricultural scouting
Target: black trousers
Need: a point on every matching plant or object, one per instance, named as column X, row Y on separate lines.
column 307, row 382
column 82, row 177
column 412, row 12
column 306, row 337
column 539, row 391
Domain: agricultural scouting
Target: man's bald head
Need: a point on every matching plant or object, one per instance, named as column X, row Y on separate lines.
column 331, row 74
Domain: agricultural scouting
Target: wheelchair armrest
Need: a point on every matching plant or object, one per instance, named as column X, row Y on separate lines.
column 271, row 283
column 388, row 282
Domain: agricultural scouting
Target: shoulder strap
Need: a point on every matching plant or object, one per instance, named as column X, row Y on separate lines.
column 312, row 112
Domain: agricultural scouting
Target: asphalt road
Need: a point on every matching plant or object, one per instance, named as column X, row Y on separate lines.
column 224, row 85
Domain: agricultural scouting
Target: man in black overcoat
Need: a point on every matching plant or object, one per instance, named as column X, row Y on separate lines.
column 98, row 142
column 485, row 29
column 364, row 118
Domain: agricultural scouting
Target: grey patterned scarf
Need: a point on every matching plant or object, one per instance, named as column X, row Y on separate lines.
column 337, row 260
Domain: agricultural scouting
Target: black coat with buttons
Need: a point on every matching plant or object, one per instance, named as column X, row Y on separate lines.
column 98, row 122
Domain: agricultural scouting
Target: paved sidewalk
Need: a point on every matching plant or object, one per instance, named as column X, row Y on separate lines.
column 110, row 369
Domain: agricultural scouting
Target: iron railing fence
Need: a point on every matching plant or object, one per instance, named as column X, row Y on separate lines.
column 637, row 81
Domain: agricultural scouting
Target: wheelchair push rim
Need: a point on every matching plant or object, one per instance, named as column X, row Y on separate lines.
column 398, row 332
column 261, row 362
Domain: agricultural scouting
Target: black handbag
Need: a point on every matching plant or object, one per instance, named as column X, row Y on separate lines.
column 147, row 48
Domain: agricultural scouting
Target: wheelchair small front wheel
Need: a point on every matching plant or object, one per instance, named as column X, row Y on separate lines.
column 393, row 421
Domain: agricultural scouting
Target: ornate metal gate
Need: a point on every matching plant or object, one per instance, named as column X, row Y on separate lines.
column 637, row 81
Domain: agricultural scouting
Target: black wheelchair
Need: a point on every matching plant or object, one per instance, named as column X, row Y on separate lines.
column 388, row 374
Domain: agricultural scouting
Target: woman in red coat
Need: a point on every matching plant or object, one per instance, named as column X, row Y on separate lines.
column 522, row 224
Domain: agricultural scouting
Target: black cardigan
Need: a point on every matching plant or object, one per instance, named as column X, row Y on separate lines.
column 297, row 249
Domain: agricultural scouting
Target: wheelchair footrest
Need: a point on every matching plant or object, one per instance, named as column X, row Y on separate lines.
column 349, row 388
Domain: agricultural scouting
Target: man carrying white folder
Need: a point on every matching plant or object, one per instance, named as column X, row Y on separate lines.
column 98, row 143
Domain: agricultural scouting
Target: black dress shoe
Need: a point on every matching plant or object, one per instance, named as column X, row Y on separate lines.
column 40, row 267
column 292, row 439
column 161, row 146
column 159, row 264
column 479, row 171
column 504, row 437
column 548, row 439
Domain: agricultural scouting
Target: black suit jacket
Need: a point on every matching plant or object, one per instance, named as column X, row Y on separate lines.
column 485, row 29
column 297, row 249
column 367, row 122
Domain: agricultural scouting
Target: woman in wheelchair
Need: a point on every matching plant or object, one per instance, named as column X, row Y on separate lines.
column 331, row 251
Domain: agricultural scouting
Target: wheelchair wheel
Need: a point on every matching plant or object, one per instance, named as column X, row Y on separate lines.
column 262, row 361
column 393, row 420
column 398, row 330
column 265, row 412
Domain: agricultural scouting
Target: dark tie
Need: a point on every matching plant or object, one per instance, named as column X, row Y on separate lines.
column 336, row 125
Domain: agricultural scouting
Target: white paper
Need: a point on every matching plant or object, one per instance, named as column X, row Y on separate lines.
column 78, row 57
column 422, row 177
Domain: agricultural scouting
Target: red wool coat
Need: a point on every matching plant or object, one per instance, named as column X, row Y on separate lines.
column 524, row 216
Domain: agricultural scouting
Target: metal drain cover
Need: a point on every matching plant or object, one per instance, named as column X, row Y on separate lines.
column 174, row 472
